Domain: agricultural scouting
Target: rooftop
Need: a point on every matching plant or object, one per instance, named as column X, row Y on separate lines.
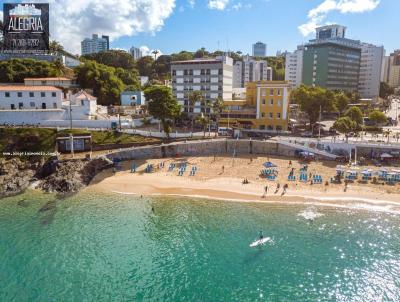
column 27, row 88
column 48, row 79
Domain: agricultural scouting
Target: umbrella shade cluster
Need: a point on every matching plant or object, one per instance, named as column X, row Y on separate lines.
column 268, row 164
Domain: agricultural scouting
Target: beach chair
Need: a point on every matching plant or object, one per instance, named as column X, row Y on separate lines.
column 291, row 178
column 303, row 177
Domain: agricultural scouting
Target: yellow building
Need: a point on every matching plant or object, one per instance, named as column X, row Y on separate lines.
column 266, row 107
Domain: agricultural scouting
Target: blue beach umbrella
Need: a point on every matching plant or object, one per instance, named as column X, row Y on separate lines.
column 268, row 164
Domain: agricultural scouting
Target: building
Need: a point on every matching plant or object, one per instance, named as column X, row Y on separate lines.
column 56, row 81
column 136, row 53
column 266, row 107
column 132, row 98
column 259, row 49
column 213, row 77
column 81, row 106
column 394, row 69
column 385, row 69
column 95, row 44
column 250, row 70
column 19, row 97
column 294, row 67
column 332, row 61
column 370, row 70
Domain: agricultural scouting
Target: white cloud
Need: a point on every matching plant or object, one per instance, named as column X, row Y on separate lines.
column 318, row 14
column 72, row 21
column 146, row 51
column 218, row 4
column 191, row 3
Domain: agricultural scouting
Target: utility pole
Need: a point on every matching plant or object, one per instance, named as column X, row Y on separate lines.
column 320, row 118
column 71, row 141
column 70, row 114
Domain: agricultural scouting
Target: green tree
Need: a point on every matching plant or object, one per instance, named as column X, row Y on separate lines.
column 201, row 53
column 341, row 102
column 16, row 70
column 385, row 90
column 162, row 105
column 113, row 58
column 355, row 114
column 182, row 56
column 313, row 100
column 377, row 117
column 217, row 107
column 345, row 125
column 102, row 79
column 194, row 97
column 204, row 121
column 145, row 66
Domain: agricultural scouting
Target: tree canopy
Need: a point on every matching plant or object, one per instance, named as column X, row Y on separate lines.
column 16, row 70
column 355, row 114
column 346, row 125
column 313, row 100
column 162, row 105
column 107, row 82
column 385, row 90
column 377, row 117
column 114, row 58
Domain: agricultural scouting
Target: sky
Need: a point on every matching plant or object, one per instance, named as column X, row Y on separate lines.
column 175, row 25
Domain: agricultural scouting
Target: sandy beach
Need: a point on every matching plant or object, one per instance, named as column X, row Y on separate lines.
column 222, row 178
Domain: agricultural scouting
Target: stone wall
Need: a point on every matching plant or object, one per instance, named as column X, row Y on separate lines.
column 199, row 148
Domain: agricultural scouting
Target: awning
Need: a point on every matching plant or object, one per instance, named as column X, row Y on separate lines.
column 386, row 155
column 245, row 122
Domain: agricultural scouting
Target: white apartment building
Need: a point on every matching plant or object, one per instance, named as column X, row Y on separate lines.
column 294, row 67
column 136, row 53
column 95, row 44
column 370, row 70
column 213, row 77
column 250, row 70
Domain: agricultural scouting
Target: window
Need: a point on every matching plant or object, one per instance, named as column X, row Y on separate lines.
column 31, row 94
column 20, row 105
column 53, row 94
column 43, row 94
column 12, row 107
column 55, row 105
column 263, row 101
column 279, row 103
column 32, row 104
column 270, row 127
column 262, row 114
column 271, row 92
column 271, row 102
column 263, row 93
column 279, row 92
column 270, row 115
column 19, row 94
column 43, row 82
column 262, row 127
column 278, row 115
column 174, row 72
column 43, row 105
column 7, row 94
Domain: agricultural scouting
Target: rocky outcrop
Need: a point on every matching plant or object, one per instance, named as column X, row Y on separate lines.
column 68, row 176
column 15, row 176
column 72, row 175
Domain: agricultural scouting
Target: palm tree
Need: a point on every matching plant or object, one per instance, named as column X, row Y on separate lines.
column 204, row 122
column 194, row 97
column 218, row 107
column 59, row 66
column 155, row 53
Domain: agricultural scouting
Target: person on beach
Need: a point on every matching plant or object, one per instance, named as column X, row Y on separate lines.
column 223, row 169
column 290, row 163
column 278, row 186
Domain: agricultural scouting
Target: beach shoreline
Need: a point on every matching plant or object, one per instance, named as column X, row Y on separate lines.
column 212, row 182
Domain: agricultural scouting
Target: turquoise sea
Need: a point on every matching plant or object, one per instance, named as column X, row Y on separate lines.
column 96, row 247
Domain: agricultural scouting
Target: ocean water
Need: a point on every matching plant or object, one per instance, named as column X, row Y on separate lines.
column 96, row 247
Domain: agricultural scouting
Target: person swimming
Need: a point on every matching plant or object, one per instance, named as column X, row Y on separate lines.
column 261, row 235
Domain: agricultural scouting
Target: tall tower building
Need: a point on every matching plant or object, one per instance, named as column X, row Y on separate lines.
column 294, row 67
column 250, row 70
column 259, row 49
column 95, row 44
column 370, row 70
column 331, row 60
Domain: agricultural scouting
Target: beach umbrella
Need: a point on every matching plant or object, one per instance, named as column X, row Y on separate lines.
column 268, row 164
column 386, row 155
column 305, row 153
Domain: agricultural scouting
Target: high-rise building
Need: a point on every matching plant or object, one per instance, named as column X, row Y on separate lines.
column 250, row 70
column 385, row 69
column 212, row 77
column 95, row 44
column 294, row 67
column 136, row 53
column 332, row 61
column 394, row 69
column 259, row 49
column 370, row 70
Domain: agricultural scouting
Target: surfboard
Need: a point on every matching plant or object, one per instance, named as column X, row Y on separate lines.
column 260, row 242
